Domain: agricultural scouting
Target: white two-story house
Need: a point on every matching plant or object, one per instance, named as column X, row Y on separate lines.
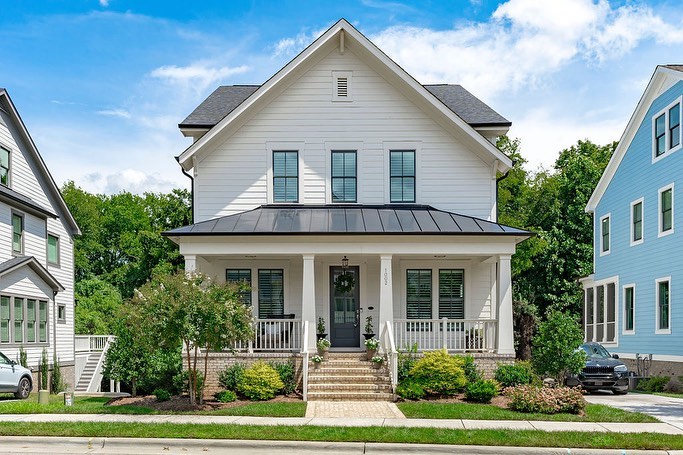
column 36, row 252
column 342, row 188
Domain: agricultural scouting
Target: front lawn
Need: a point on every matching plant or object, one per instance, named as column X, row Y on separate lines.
column 98, row 405
column 518, row 438
column 475, row 411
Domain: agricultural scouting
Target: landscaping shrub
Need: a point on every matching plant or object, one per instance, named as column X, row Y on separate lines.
column 481, row 391
column 260, row 382
column 162, row 394
column 286, row 372
column 406, row 360
column 555, row 350
column 410, row 390
column 512, row 375
column 231, row 376
column 181, row 382
column 56, row 381
column 653, row 384
column 673, row 386
column 439, row 373
column 226, row 396
column 545, row 400
column 472, row 373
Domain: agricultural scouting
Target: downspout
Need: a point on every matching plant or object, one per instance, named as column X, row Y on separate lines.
column 54, row 326
column 191, row 190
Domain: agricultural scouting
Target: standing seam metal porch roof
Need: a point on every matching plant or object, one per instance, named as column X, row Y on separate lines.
column 354, row 219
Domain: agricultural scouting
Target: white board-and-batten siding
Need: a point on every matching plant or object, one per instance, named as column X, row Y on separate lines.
column 233, row 175
column 24, row 178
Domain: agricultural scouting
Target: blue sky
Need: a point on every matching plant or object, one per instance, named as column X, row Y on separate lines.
column 102, row 84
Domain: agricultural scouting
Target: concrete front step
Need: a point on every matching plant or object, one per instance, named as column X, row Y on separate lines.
column 350, row 396
column 344, row 387
column 340, row 378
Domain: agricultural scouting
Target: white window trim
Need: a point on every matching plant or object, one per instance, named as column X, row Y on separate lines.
column 59, row 253
column 24, row 343
column 659, row 210
column 342, row 146
column 388, row 147
column 659, row 331
column 640, row 201
column 349, row 86
column 665, row 111
column 609, row 243
column 271, row 147
column 596, row 284
column 23, row 233
column 623, row 301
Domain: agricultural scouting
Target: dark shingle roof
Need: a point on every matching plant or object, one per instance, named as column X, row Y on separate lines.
column 21, row 261
column 278, row 219
column 674, row 67
column 17, row 199
column 226, row 98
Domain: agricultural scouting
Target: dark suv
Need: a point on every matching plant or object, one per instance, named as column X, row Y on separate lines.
column 602, row 371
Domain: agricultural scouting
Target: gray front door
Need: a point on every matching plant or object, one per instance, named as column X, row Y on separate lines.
column 344, row 309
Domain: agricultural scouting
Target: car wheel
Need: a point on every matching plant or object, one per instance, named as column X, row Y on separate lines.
column 24, row 389
column 619, row 392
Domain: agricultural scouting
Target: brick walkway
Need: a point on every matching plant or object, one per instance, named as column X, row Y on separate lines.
column 350, row 409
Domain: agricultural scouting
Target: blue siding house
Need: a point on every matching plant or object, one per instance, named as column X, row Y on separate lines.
column 634, row 300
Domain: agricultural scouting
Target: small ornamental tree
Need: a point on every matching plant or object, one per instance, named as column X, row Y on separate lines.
column 555, row 348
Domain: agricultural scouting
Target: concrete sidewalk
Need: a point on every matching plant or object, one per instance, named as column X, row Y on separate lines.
column 455, row 424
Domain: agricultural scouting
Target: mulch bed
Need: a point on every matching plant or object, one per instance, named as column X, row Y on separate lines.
column 182, row 403
column 498, row 401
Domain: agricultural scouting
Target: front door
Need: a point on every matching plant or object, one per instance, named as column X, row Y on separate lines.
column 344, row 308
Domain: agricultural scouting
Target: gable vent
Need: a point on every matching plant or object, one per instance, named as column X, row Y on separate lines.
column 343, row 87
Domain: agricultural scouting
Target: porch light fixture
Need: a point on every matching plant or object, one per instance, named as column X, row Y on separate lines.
column 345, row 263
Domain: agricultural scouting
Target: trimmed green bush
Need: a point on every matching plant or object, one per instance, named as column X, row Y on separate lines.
column 472, row 373
column 286, row 372
column 673, row 386
column 260, row 382
column 512, row 375
column 545, row 400
column 410, row 390
column 226, row 396
column 162, row 394
column 181, row 382
column 231, row 376
column 406, row 360
column 439, row 373
column 481, row 391
column 653, row 384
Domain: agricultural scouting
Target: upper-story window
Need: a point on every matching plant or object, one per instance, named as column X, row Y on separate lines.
column 52, row 249
column 286, row 176
column 663, row 315
column 402, row 175
column 344, row 182
column 604, row 234
column 666, row 210
column 4, row 166
column 637, row 222
column 17, row 233
column 666, row 130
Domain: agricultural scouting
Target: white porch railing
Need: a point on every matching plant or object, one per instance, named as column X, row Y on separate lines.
column 273, row 335
column 474, row 335
column 304, row 354
column 90, row 343
column 389, row 348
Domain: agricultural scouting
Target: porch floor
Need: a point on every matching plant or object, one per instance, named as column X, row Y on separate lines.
column 351, row 409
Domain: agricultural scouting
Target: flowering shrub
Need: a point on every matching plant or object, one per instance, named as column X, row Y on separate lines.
column 481, row 391
column 323, row 344
column 372, row 343
column 316, row 359
column 378, row 359
column 546, row 400
column 439, row 373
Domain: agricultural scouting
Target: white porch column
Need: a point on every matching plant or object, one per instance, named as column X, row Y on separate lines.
column 386, row 293
column 308, row 298
column 190, row 263
column 505, row 323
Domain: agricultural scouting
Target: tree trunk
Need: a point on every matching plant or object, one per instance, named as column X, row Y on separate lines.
column 189, row 372
column 526, row 325
column 134, row 387
column 194, row 377
column 206, row 370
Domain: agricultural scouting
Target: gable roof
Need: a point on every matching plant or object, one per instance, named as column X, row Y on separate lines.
column 24, row 202
column 343, row 32
column 29, row 261
column 227, row 98
column 659, row 77
column 346, row 219
column 44, row 174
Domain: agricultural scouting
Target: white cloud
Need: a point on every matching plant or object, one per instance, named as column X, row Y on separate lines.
column 122, row 113
column 104, row 3
column 289, row 47
column 198, row 75
column 131, row 180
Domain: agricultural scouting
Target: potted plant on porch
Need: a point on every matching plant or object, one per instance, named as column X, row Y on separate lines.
column 323, row 346
column 371, row 346
column 369, row 329
column 316, row 359
column 377, row 361
column 320, row 329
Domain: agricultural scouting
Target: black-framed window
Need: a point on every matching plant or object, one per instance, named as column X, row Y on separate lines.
column 629, row 307
column 402, row 175
column 666, row 205
column 4, row 166
column 344, row 181
column 53, row 249
column 674, row 126
column 604, row 234
column 271, row 293
column 663, row 305
column 17, row 233
column 637, row 220
column 660, row 135
column 452, row 293
column 286, row 176
column 419, row 294
column 242, row 277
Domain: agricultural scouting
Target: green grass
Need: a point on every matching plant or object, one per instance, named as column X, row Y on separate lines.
column 519, row 438
column 96, row 405
column 670, row 395
column 472, row 411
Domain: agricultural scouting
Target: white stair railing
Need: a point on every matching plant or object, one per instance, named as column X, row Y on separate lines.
column 304, row 353
column 389, row 347
column 96, row 380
